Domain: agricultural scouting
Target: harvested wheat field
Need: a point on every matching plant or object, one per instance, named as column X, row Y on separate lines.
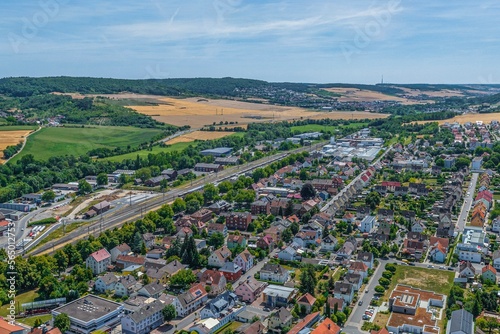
column 199, row 135
column 9, row 138
column 431, row 93
column 202, row 112
column 470, row 117
column 362, row 95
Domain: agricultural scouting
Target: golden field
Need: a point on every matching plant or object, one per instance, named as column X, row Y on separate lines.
column 199, row 135
column 471, row 117
column 362, row 95
column 198, row 112
column 9, row 138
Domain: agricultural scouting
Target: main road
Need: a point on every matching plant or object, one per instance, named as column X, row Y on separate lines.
column 136, row 211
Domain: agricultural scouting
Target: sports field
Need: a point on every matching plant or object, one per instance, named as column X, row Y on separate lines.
column 59, row 141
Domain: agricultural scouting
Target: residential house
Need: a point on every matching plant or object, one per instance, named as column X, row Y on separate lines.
column 408, row 215
column 336, row 303
column 231, row 271
column 217, row 228
column 347, row 250
column 158, row 274
column 191, row 300
column 496, row 259
column 203, row 215
column 122, row 249
column 279, row 320
column 238, row 220
column 367, row 224
column 148, row 239
column 327, row 326
column 461, row 322
column 244, row 260
column 266, row 243
column 355, row 279
column 105, row 283
column 328, row 243
column 127, row 286
column 308, row 235
column 277, row 295
column 344, row 291
column 145, row 320
column 260, row 207
column 418, row 227
column 306, row 301
column 98, row 261
column 250, row 289
column 275, row 232
column 366, row 258
column 489, row 273
column 305, row 324
column 234, row 241
column 151, row 290
column 124, row 261
column 219, row 257
column 274, row 273
column 362, row 212
column 215, row 280
column 385, row 214
column 466, row 270
column 218, row 307
column 290, row 253
column 358, row 267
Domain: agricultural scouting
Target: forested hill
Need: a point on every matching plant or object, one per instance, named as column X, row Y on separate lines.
column 25, row 86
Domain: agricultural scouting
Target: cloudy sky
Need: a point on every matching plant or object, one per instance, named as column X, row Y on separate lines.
column 353, row 41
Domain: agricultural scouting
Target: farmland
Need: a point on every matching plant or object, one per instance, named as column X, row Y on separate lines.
column 59, row 141
column 199, row 135
column 12, row 135
column 202, row 112
column 485, row 118
column 362, row 95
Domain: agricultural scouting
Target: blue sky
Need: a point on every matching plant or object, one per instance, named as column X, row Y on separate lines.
column 353, row 41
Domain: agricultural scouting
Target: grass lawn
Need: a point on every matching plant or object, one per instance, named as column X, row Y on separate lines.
column 231, row 327
column 381, row 319
column 439, row 281
column 31, row 320
column 49, row 142
column 20, row 299
column 496, row 196
column 155, row 150
column 17, row 127
column 326, row 128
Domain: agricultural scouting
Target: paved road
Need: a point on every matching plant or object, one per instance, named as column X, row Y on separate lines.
column 462, row 218
column 135, row 211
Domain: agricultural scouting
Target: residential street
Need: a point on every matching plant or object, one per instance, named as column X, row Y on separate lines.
column 462, row 218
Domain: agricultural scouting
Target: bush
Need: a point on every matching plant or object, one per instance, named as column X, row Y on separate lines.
column 45, row 221
column 387, row 274
column 390, row 267
column 384, row 282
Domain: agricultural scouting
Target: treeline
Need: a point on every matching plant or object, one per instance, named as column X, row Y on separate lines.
column 9, row 151
column 25, row 86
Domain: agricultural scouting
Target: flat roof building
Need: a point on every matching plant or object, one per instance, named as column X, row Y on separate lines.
column 217, row 152
column 90, row 313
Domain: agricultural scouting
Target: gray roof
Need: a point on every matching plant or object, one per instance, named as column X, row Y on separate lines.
column 108, row 278
column 274, row 268
column 127, row 281
column 461, row 322
column 153, row 288
column 146, row 311
column 283, row 314
column 88, row 308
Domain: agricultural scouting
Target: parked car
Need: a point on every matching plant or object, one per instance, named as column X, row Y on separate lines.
column 360, row 303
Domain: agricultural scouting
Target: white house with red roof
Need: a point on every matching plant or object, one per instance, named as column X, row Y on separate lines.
column 307, row 300
column 489, row 273
column 98, row 261
column 244, row 260
column 358, row 267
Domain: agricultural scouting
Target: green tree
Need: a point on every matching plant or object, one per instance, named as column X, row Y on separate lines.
column 307, row 191
column 192, row 206
column 84, row 187
column 216, row 240
column 179, row 205
column 303, row 174
column 62, row 322
column 102, row 179
column 48, row 196
column 183, row 278
column 210, row 193
column 169, row 313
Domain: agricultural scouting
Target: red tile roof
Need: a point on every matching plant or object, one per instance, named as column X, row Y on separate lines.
column 490, row 268
column 327, row 327
column 100, row 255
column 303, row 323
column 307, row 299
